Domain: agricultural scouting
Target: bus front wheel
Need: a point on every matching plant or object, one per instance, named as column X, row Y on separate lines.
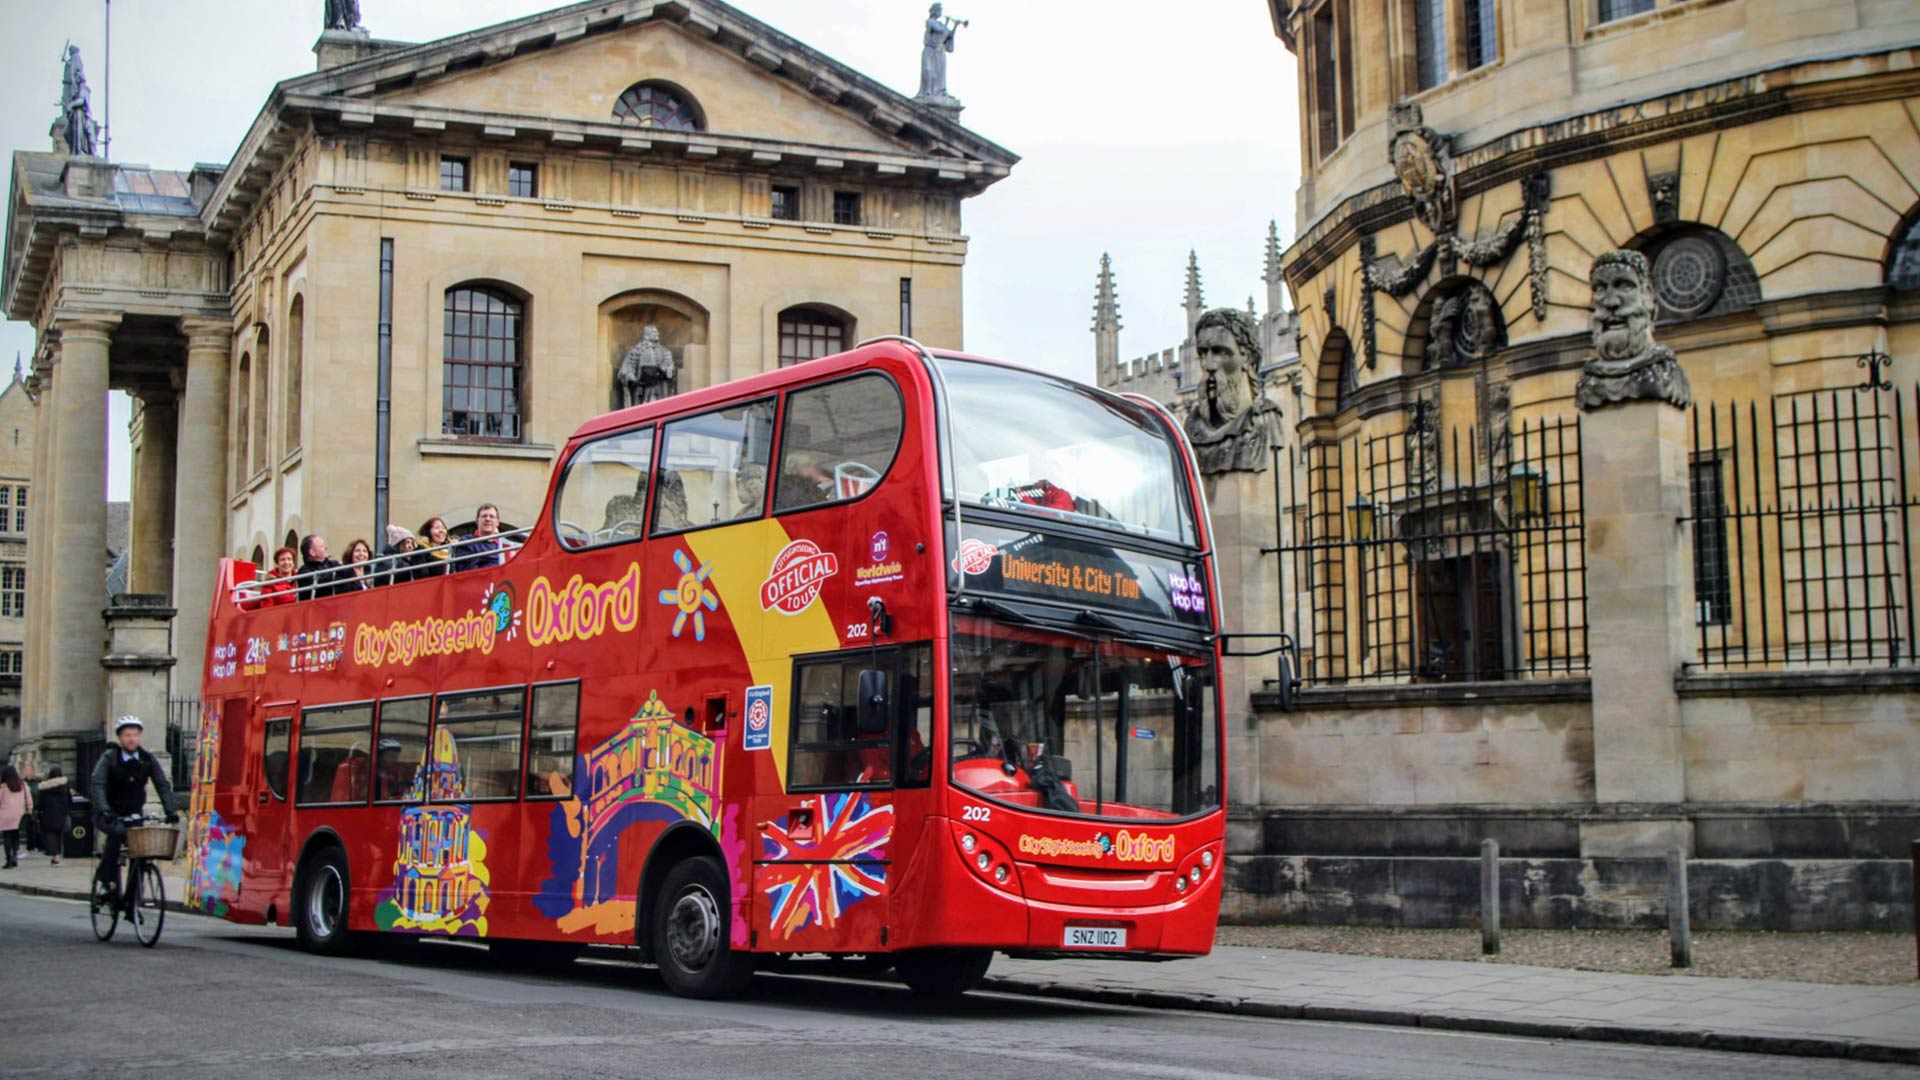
column 691, row 920
column 320, row 903
column 942, row 973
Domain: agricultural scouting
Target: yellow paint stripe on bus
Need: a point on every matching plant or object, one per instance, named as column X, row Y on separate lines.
column 741, row 557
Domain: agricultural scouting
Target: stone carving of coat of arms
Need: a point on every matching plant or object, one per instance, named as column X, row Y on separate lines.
column 1423, row 162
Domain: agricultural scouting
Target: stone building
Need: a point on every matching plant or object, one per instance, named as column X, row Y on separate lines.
column 422, row 268
column 16, row 483
column 1593, row 635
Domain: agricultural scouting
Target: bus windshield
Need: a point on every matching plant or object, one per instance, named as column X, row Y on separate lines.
column 1070, row 724
column 1048, row 447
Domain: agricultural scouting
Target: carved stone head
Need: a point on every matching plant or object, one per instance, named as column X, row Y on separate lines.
column 1622, row 307
column 651, row 335
column 1227, row 344
column 1423, row 164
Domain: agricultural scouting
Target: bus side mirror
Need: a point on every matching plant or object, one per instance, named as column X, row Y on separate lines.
column 871, row 718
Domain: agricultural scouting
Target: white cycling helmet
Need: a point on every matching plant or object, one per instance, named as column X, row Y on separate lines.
column 126, row 722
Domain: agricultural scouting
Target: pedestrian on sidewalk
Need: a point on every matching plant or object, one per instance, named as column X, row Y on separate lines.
column 55, row 805
column 15, row 801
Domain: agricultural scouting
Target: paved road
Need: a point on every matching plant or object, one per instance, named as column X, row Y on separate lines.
column 215, row 1000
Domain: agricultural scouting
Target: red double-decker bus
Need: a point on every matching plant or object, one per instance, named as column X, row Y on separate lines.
column 897, row 654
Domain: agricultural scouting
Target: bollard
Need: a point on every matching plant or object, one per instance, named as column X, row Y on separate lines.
column 1679, row 924
column 1490, row 897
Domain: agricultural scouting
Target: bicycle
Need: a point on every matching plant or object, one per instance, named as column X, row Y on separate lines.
column 142, row 891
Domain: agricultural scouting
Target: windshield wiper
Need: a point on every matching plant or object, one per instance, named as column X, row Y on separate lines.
column 1090, row 617
column 983, row 606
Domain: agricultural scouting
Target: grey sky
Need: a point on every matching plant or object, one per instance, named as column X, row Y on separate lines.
column 1146, row 129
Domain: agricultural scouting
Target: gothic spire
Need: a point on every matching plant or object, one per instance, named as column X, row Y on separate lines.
column 1106, row 299
column 1106, row 322
column 1196, row 301
column 1275, row 279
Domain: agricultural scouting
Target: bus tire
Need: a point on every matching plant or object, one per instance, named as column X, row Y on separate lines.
column 320, row 902
column 691, row 919
column 941, row 974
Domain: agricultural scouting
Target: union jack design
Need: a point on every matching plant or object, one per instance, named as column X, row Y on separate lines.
column 845, row 862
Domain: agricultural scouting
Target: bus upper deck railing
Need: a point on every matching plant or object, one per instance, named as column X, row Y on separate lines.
column 380, row 570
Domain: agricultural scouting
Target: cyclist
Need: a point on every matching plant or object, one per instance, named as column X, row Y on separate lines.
column 119, row 790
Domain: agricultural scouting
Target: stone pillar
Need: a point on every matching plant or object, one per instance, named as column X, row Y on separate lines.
column 76, row 562
column 1639, row 582
column 1240, row 507
column 33, row 713
column 152, row 532
column 137, row 662
column 200, row 493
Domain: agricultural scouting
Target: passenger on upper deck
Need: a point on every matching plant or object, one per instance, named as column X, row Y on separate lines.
column 355, row 572
column 277, row 591
column 319, row 575
column 398, row 566
column 432, row 561
column 487, row 547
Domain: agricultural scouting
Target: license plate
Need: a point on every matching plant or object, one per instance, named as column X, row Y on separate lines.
column 1095, row 937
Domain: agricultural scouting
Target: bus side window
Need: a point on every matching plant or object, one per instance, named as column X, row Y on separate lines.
column 603, row 496
column 275, row 756
column 828, row 751
column 336, row 759
column 839, row 441
column 713, row 468
column 401, row 751
column 232, row 769
column 553, row 726
column 481, row 734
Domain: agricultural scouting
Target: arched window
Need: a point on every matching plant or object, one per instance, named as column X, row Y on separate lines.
column 808, row 333
column 1699, row 272
column 296, row 338
column 483, row 350
column 242, row 419
column 1337, row 380
column 1903, row 260
column 661, row 105
column 262, row 403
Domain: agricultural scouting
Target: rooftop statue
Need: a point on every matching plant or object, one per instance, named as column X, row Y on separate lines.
column 936, row 44
column 343, row 14
column 76, row 125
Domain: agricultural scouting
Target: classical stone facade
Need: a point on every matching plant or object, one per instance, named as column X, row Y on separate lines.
column 1596, row 636
column 422, row 268
column 16, row 484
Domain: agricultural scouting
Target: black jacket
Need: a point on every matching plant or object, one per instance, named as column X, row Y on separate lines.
column 320, row 579
column 120, row 787
column 53, row 801
column 398, row 566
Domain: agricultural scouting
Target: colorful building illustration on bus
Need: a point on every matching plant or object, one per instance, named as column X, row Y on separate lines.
column 654, row 769
column 215, row 850
column 440, row 876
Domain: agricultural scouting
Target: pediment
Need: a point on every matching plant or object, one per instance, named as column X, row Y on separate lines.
column 750, row 80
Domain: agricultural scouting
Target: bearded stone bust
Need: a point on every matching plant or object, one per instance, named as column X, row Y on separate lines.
column 1626, row 365
column 1232, row 425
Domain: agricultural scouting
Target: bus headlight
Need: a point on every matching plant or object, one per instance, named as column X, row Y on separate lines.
column 1206, row 858
column 1193, row 875
column 1001, row 873
column 967, row 842
column 983, row 861
column 1180, row 884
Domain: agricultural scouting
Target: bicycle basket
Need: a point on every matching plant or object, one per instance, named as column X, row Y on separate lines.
column 153, row 842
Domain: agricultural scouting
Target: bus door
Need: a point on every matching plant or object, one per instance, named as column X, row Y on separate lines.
column 268, row 813
column 824, row 869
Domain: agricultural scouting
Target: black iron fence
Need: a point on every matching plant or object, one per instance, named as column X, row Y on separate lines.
column 1802, row 521
column 183, row 742
column 1412, row 557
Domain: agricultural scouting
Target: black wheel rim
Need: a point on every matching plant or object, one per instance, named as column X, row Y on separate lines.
column 150, row 906
column 326, row 902
column 693, row 930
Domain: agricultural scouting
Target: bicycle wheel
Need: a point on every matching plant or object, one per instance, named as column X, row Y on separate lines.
column 106, row 917
column 149, row 903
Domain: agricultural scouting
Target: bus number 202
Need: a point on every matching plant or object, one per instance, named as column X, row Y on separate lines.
column 976, row 813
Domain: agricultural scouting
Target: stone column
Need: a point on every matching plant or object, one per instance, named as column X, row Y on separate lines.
column 76, row 570
column 136, row 664
column 200, row 493
column 39, row 495
column 152, row 533
column 1240, row 507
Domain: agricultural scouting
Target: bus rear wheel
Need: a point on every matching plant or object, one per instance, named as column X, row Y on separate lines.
column 691, row 920
column 320, row 903
column 942, row 973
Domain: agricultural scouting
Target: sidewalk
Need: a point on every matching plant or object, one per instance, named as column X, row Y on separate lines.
column 1875, row 1023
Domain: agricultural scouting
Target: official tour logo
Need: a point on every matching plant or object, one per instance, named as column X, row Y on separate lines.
column 975, row 556
column 798, row 574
